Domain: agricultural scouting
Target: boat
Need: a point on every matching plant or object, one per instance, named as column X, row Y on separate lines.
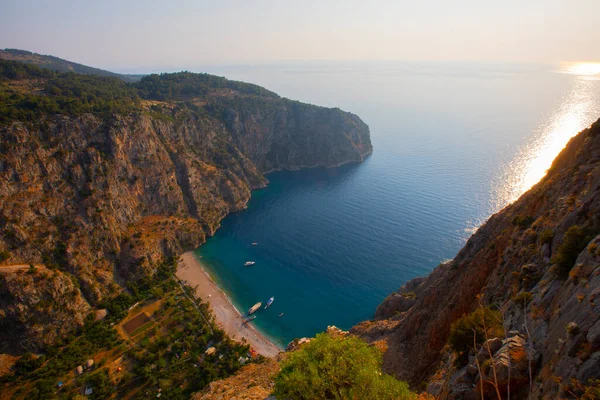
column 249, row 263
column 249, row 319
column 269, row 302
column 254, row 308
column 281, row 315
column 254, row 243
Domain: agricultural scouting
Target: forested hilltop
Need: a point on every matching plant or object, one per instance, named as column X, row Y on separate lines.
column 59, row 64
column 73, row 94
column 104, row 180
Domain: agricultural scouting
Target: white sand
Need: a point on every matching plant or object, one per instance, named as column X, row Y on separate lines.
column 191, row 271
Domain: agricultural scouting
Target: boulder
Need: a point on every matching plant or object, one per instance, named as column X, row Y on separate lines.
column 593, row 335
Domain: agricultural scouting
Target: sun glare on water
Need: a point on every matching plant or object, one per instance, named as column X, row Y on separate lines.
column 577, row 110
column 584, row 69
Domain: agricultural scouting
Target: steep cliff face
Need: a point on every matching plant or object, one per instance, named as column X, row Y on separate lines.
column 37, row 304
column 537, row 262
column 103, row 199
column 285, row 134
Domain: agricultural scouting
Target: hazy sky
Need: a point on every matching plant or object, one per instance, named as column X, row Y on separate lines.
column 142, row 34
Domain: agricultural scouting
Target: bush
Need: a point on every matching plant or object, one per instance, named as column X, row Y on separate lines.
column 547, row 236
column 27, row 363
column 522, row 221
column 4, row 255
column 337, row 368
column 522, row 299
column 574, row 241
column 474, row 327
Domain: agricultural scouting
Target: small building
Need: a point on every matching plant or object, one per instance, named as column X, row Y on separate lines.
column 59, row 384
column 210, row 351
column 89, row 363
column 79, row 370
column 88, row 391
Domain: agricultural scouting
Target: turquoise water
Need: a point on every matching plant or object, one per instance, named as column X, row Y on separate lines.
column 452, row 144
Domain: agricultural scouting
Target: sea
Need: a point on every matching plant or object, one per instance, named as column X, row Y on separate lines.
column 453, row 144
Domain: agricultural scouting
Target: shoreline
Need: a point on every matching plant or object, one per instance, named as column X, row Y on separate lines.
column 191, row 270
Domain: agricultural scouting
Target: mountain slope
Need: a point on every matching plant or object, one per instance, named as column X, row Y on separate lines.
column 101, row 180
column 537, row 262
column 60, row 65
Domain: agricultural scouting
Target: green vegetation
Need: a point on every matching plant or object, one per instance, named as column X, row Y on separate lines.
column 185, row 85
column 48, row 92
column 574, row 242
column 472, row 330
column 164, row 355
column 62, row 93
column 4, row 255
column 58, row 64
column 523, row 298
column 547, row 236
column 337, row 368
column 58, row 360
column 523, row 221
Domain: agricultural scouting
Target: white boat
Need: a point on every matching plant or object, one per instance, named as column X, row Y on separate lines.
column 269, row 302
column 254, row 308
column 254, row 243
column 250, row 319
column 249, row 263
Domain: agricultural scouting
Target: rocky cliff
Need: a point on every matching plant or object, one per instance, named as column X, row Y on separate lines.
column 535, row 266
column 100, row 198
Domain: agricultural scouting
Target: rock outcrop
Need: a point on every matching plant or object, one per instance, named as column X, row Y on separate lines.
column 101, row 200
column 537, row 260
column 39, row 306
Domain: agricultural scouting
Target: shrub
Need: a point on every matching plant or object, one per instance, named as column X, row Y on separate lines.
column 522, row 299
column 547, row 236
column 572, row 328
column 337, row 368
column 574, row 241
column 4, row 255
column 27, row 363
column 472, row 328
column 591, row 391
column 522, row 221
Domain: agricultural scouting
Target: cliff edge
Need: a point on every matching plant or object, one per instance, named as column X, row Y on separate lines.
column 534, row 267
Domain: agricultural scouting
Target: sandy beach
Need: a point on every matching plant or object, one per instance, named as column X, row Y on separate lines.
column 190, row 270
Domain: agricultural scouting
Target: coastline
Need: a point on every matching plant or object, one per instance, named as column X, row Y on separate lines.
column 191, row 270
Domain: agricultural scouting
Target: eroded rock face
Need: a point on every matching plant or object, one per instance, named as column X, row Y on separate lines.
column 106, row 200
column 39, row 306
column 508, row 263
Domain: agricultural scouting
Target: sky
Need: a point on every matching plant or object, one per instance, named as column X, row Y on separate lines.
column 168, row 34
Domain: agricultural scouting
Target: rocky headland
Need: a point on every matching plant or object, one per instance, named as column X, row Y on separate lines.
column 101, row 192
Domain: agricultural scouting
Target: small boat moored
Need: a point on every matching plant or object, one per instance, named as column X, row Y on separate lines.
column 269, row 302
column 249, row 263
column 254, row 243
column 249, row 319
column 254, row 308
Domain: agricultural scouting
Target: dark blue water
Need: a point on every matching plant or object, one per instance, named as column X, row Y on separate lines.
column 332, row 243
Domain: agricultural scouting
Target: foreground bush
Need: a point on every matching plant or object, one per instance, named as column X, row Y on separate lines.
column 337, row 368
